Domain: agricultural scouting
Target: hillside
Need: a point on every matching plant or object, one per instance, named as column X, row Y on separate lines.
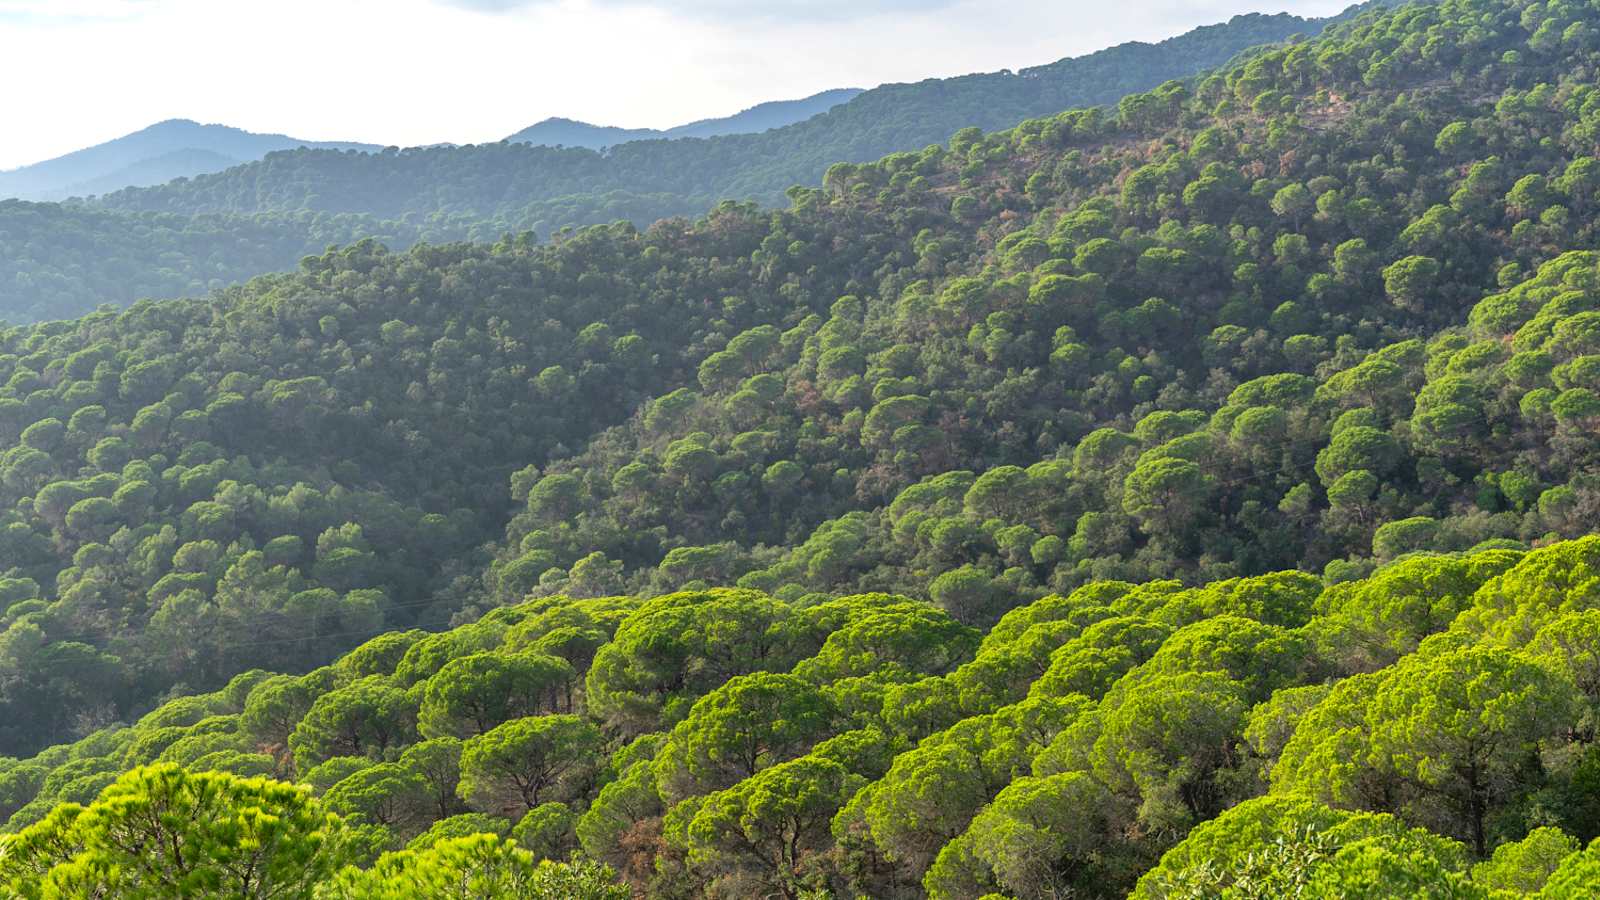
column 1188, row 499
column 513, row 183
column 766, row 116
column 67, row 260
column 872, row 746
column 758, row 118
column 478, row 193
column 177, row 148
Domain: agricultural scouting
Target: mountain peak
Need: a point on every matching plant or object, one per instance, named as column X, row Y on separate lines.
column 560, row 131
column 157, row 153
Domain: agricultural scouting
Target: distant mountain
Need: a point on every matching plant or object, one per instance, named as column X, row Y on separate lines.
column 543, row 188
column 767, row 116
column 184, row 163
column 764, row 117
column 517, row 186
column 72, row 261
column 177, row 148
column 558, row 132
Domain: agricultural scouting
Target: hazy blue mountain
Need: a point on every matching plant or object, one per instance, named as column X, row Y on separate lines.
column 559, row 132
column 72, row 261
column 762, row 117
column 177, row 148
column 519, row 186
column 183, row 163
column 766, row 116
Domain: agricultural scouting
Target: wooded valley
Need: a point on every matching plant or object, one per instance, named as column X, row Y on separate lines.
column 1191, row 496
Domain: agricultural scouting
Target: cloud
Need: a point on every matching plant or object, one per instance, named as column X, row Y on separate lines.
column 735, row 10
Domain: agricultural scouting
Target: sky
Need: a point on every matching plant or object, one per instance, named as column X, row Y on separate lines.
column 411, row 72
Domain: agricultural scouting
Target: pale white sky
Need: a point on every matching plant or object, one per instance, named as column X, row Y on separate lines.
column 408, row 72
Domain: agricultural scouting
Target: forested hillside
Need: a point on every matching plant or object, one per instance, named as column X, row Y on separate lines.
column 514, row 183
column 1329, row 740
column 334, row 442
column 1189, row 499
column 66, row 260
column 479, row 193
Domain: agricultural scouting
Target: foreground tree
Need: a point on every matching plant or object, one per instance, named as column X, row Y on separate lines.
column 160, row 832
column 475, row 693
column 770, row 823
column 363, row 718
column 1466, row 729
column 512, row 769
column 736, row 730
column 1445, row 740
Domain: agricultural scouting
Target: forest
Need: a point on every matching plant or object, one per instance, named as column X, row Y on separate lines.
column 193, row 235
column 1189, row 497
column 60, row 261
column 511, row 183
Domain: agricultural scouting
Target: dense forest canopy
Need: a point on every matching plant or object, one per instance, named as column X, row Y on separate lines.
column 205, row 232
column 61, row 260
column 1149, row 740
column 1194, row 498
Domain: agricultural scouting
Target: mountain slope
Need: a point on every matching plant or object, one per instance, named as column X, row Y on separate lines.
column 1028, row 298
column 766, row 116
column 478, row 193
column 177, row 148
column 1181, row 500
column 181, row 163
column 936, row 740
column 762, row 117
column 65, row 260
column 345, row 428
column 515, row 185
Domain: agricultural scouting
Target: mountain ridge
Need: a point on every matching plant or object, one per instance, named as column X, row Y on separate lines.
column 151, row 155
column 518, row 184
column 479, row 192
column 559, row 131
